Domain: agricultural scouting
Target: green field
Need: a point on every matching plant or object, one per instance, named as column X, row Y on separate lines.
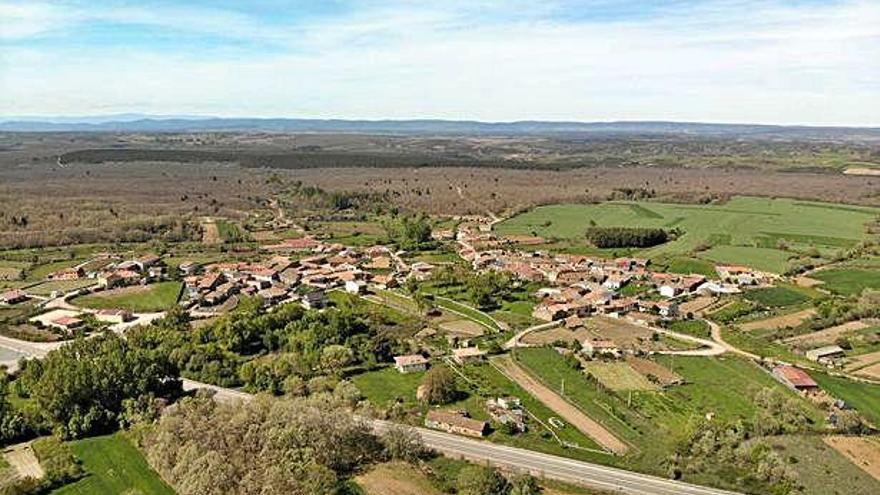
column 383, row 387
column 155, row 297
column 862, row 396
column 776, row 297
column 115, row 467
column 744, row 230
column 848, row 281
column 697, row 328
column 653, row 421
column 688, row 266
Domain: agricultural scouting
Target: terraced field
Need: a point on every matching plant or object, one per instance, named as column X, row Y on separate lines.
column 744, row 230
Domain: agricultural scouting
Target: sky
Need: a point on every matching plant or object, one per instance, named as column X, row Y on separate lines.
column 810, row 62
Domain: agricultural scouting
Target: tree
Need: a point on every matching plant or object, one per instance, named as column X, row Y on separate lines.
column 481, row 480
column 334, row 358
column 403, row 444
column 81, row 386
column 439, row 385
column 524, row 484
column 424, row 302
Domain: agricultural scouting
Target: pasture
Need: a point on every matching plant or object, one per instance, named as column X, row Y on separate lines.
column 745, row 230
column 776, row 297
column 114, row 467
column 139, row 299
column 385, row 386
column 848, row 281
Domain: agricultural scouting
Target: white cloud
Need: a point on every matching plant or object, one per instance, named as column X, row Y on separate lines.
column 755, row 62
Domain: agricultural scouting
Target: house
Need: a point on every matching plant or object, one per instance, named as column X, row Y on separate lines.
column 615, row 282
column 289, row 276
column 13, row 296
column 670, row 290
column 507, row 411
column 384, row 282
column 66, row 323
column 189, row 267
column 301, row 244
column 114, row 315
column 600, row 347
column 211, row 281
column 273, row 294
column 72, row 273
column 411, row 363
column 314, row 300
column 795, row 378
column 146, row 261
column 355, row 286
column 825, row 355
column 551, row 312
column 456, row 422
column 468, row 355
column 667, row 309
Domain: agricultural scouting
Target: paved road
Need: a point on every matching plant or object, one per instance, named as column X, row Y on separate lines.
column 555, row 467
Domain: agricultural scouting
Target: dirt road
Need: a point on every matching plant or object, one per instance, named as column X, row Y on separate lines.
column 560, row 406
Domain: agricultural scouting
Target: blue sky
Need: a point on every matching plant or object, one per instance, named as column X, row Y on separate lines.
column 767, row 61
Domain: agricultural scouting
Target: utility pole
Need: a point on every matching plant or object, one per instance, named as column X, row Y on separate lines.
column 563, row 387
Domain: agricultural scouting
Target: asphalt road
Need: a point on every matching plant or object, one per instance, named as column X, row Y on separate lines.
column 554, row 467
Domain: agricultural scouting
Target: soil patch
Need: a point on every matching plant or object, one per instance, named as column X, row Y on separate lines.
column 864, row 452
column 779, row 322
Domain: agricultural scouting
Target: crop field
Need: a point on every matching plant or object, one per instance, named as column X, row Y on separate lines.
column 48, row 287
column 154, row 297
column 848, row 281
column 619, row 376
column 114, row 467
column 864, row 397
column 745, row 230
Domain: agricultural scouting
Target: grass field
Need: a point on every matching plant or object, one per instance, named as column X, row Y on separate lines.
column 848, row 281
column 697, row 328
column 776, row 297
column 155, row 297
column 115, row 467
column 653, row 421
column 383, row 387
column 687, row 266
column 744, row 230
column 862, row 396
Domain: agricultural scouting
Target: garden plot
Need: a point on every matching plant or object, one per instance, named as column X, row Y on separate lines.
column 779, row 322
column 618, row 376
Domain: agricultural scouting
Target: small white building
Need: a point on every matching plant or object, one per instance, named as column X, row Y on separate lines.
column 411, row 363
column 355, row 286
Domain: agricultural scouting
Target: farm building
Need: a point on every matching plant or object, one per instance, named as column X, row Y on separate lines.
column 508, row 411
column 355, row 286
column 67, row 323
column 467, row 355
column 114, row 315
column 600, row 347
column 67, row 274
column 316, row 299
column 456, row 422
column 13, row 297
column 411, row 363
column 825, row 355
column 795, row 378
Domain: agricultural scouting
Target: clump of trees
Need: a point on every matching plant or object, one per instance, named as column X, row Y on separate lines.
column 81, row 387
column 409, row 232
column 439, row 386
column 268, row 446
column 619, row 237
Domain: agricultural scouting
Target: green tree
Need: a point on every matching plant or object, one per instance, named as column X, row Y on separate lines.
column 439, row 385
column 481, row 480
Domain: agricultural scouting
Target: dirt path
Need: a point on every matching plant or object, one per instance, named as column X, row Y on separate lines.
column 717, row 337
column 210, row 232
column 21, row 457
column 560, row 406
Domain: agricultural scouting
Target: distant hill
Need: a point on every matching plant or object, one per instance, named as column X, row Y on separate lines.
column 135, row 123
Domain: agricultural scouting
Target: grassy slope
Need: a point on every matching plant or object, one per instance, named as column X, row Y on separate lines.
column 862, row 396
column 115, row 466
column 821, row 469
column 157, row 297
column 848, row 281
column 653, row 421
column 734, row 228
column 383, row 387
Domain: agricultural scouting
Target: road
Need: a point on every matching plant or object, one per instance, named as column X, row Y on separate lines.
column 544, row 465
column 554, row 467
column 717, row 337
